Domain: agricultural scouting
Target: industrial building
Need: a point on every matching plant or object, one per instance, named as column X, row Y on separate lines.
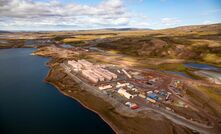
column 124, row 93
column 132, row 105
column 126, row 73
column 151, row 100
column 137, row 87
column 122, row 84
column 104, row 87
column 91, row 72
column 89, row 75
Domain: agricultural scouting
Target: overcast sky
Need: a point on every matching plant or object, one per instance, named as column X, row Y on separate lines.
column 95, row 14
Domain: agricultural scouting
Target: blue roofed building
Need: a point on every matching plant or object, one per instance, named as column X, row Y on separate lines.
column 153, row 96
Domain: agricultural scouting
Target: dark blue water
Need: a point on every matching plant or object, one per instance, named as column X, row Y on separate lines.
column 202, row 66
column 30, row 106
column 178, row 73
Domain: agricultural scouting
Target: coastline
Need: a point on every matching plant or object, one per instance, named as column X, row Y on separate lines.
column 109, row 113
column 103, row 118
column 119, row 123
column 113, row 127
column 114, row 115
column 193, row 107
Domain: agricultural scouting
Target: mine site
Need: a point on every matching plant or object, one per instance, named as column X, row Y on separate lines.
column 107, row 79
column 133, row 90
column 110, row 67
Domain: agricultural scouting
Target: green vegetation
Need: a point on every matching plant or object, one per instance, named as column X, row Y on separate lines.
column 200, row 44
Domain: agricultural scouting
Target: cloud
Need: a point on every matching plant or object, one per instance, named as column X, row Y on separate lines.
column 207, row 22
column 170, row 21
column 29, row 13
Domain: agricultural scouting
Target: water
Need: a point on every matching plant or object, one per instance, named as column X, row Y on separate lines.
column 178, row 73
column 30, row 106
column 32, row 42
column 96, row 49
column 66, row 46
column 29, row 42
column 202, row 66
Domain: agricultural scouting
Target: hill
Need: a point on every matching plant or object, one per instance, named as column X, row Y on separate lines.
column 199, row 43
column 1, row 31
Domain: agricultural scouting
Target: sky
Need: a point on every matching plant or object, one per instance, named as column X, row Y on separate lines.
column 97, row 14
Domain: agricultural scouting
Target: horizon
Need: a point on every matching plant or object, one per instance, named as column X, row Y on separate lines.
column 105, row 29
column 74, row 15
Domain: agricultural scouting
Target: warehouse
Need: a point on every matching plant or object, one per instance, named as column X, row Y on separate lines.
column 100, row 77
column 85, row 63
column 153, row 96
column 124, row 93
column 121, row 84
column 87, row 74
column 105, row 75
column 75, row 65
column 105, row 87
column 94, row 73
column 151, row 100
column 126, row 73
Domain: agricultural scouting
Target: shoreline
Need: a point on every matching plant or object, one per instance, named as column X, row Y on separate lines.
column 193, row 107
column 85, row 103
column 55, row 71
column 111, row 125
column 87, row 106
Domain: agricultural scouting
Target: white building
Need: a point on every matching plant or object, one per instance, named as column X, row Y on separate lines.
column 124, row 93
column 122, row 84
column 105, row 87
column 126, row 73
column 87, row 74
column 94, row 73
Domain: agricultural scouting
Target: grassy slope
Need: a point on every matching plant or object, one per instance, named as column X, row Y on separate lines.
column 201, row 44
